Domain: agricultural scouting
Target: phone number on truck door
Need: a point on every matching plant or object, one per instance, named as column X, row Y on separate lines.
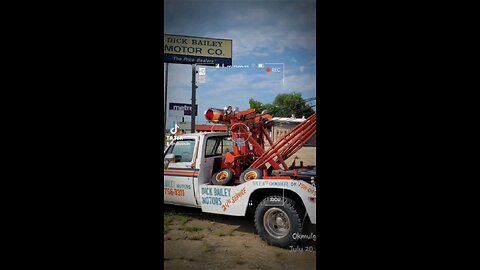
column 174, row 192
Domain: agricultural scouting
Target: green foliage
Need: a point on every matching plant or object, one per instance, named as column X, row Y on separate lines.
column 257, row 105
column 284, row 105
column 195, row 237
column 192, row 229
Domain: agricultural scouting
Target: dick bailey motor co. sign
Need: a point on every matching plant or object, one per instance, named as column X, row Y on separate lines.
column 197, row 50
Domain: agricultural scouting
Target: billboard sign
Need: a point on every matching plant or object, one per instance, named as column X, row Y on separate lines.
column 197, row 50
column 186, row 108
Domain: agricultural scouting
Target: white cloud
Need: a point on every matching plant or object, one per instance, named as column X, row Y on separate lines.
column 260, row 54
column 179, row 83
column 302, row 68
column 266, row 39
column 301, row 83
column 269, row 30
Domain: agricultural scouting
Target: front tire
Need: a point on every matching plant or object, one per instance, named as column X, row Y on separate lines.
column 277, row 219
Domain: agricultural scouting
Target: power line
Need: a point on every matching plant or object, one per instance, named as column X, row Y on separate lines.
column 309, row 99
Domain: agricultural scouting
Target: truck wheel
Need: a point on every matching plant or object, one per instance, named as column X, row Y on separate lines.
column 223, row 178
column 250, row 174
column 277, row 219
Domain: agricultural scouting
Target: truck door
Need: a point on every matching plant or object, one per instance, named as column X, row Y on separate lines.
column 215, row 147
column 179, row 174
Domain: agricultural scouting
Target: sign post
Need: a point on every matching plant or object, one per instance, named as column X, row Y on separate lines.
column 194, row 109
column 165, row 105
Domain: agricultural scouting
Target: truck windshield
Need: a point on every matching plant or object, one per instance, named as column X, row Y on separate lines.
column 183, row 148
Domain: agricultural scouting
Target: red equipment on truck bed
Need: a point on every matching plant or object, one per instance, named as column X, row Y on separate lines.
column 249, row 160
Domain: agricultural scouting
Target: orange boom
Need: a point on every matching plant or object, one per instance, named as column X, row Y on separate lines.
column 249, row 160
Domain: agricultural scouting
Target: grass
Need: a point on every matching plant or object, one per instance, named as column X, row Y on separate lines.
column 183, row 220
column 168, row 220
column 207, row 247
column 169, row 217
column 192, row 229
column 196, row 237
column 222, row 233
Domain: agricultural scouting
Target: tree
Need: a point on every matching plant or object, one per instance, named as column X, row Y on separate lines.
column 284, row 105
column 256, row 105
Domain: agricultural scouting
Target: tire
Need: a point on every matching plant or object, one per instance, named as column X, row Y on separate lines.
column 277, row 218
column 223, row 177
column 250, row 174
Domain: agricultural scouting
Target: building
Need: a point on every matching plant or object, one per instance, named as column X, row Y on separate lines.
column 307, row 154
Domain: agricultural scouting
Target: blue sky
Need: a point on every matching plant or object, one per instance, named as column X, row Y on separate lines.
column 272, row 31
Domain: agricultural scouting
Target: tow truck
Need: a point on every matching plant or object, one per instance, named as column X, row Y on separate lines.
column 232, row 173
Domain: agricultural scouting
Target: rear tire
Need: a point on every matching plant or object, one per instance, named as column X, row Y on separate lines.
column 224, row 177
column 277, row 219
column 250, row 174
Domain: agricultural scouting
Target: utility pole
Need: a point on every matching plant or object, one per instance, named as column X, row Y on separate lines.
column 165, row 106
column 166, row 103
column 194, row 109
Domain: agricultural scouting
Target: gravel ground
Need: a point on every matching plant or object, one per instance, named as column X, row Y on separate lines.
column 196, row 240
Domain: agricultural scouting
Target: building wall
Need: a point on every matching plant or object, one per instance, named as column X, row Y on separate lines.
column 307, row 153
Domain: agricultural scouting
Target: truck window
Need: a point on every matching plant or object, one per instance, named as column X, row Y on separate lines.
column 227, row 145
column 183, row 148
column 216, row 146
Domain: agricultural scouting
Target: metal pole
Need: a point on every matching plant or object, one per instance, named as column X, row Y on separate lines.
column 166, row 103
column 165, row 109
column 194, row 109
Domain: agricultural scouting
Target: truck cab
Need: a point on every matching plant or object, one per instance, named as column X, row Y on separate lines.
column 190, row 161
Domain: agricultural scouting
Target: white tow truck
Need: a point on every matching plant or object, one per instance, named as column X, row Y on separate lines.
column 281, row 207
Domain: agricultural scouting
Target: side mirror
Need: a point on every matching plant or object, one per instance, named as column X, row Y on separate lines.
column 170, row 157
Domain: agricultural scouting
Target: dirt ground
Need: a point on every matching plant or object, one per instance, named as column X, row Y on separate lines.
column 196, row 240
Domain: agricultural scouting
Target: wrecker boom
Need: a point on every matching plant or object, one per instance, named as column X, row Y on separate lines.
column 250, row 129
column 289, row 144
